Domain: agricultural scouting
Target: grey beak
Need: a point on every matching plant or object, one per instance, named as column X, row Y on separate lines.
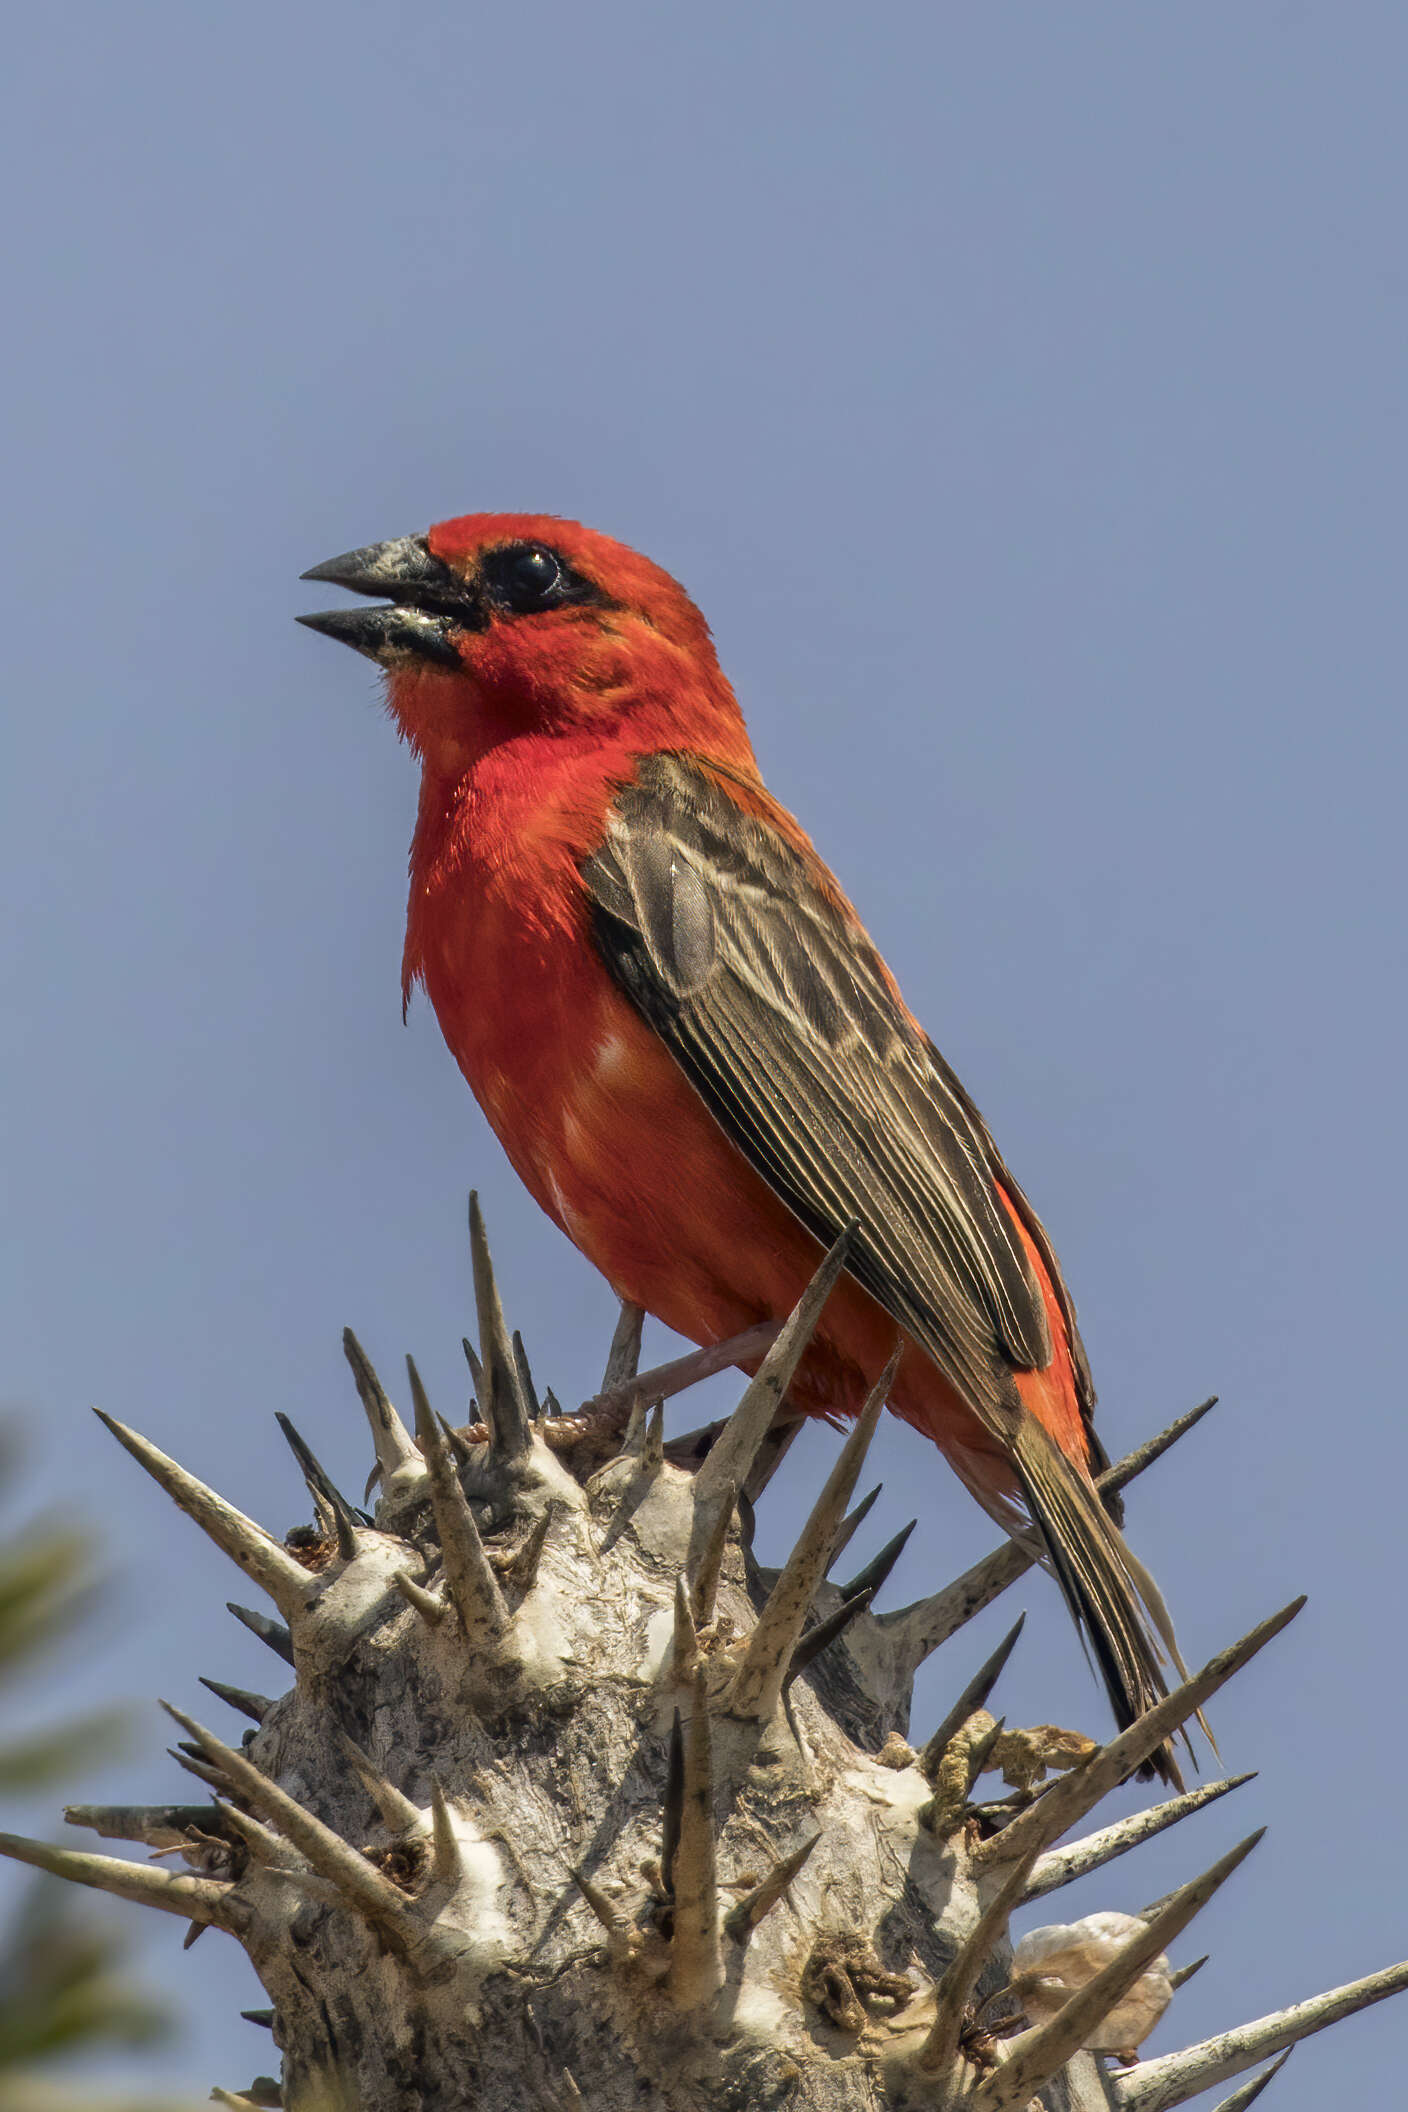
column 430, row 602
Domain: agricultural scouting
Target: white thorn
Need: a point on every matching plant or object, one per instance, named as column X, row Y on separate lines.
column 256, row 1552
column 395, row 1447
column 726, row 1468
column 430, row 1609
column 448, row 1865
column 501, row 1404
column 1172, row 2078
column 155, row 1825
column 202, row 1899
column 621, row 1936
column 361, row 1885
column 633, row 1436
column 696, row 1966
column 623, row 1357
column 684, row 1652
column 396, row 1808
column 1063, row 1865
column 757, row 1686
column 469, row 1581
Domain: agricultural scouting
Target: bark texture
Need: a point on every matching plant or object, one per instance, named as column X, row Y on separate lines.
column 570, row 1804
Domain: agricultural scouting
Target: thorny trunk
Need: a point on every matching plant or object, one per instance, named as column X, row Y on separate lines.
column 570, row 1804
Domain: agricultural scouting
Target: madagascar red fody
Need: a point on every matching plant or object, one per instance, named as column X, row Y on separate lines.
column 684, row 1039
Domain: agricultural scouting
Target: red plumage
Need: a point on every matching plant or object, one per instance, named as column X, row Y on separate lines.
column 677, row 1027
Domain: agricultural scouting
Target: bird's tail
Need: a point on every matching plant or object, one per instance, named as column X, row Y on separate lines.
column 1117, row 1605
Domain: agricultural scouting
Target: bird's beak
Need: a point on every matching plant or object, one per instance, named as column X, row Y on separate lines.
column 428, row 602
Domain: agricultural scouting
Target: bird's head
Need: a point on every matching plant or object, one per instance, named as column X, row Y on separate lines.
column 501, row 624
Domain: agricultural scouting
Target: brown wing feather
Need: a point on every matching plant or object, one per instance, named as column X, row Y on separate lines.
column 782, row 1015
column 730, row 941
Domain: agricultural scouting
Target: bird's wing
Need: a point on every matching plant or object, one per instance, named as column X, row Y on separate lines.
column 734, row 944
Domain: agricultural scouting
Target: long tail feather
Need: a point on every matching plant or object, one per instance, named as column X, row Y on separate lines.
column 1117, row 1605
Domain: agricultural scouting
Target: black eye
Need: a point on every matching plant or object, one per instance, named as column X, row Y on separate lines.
column 526, row 578
column 531, row 577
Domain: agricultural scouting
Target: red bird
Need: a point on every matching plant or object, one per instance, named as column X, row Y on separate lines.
column 686, row 1043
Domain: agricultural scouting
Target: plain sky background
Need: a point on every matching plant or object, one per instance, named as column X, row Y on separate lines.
column 1020, row 391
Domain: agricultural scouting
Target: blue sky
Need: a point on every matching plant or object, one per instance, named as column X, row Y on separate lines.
column 1020, row 393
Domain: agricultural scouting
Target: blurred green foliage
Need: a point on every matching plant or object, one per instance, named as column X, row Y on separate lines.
column 62, row 1986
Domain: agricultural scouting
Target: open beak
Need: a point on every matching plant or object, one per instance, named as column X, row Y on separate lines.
column 428, row 602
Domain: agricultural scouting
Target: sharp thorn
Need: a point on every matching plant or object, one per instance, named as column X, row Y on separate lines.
column 620, row 1935
column 256, row 1706
column 1081, row 1790
column 741, row 1920
column 476, row 1369
column 264, row 2017
column 470, row 1583
column 652, row 1451
column 633, row 1436
column 552, row 1408
column 390, row 1437
column 684, row 1653
column 776, row 1445
column 430, row 1609
column 673, row 1805
column 704, row 1572
column 696, row 1967
column 155, row 1825
column 1144, row 1456
column 201, row 1899
column 502, row 1403
column 522, row 1572
column 726, row 1468
column 758, row 1684
column 1172, row 2078
column 877, row 1571
column 1248, row 2093
column 1184, row 1973
column 447, row 1866
column 271, row 1632
column 256, row 1552
column 915, row 1632
column 623, row 1357
column 211, row 1776
column 982, row 1749
column 973, row 1697
column 525, row 1378
column 360, row 1884
column 663, row 1381
column 458, row 1442
column 1036, row 2055
column 1063, row 1865
column 825, row 1633
column 851, row 1524
column 953, row 1994
column 266, row 1847
column 320, row 1487
column 396, row 1808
